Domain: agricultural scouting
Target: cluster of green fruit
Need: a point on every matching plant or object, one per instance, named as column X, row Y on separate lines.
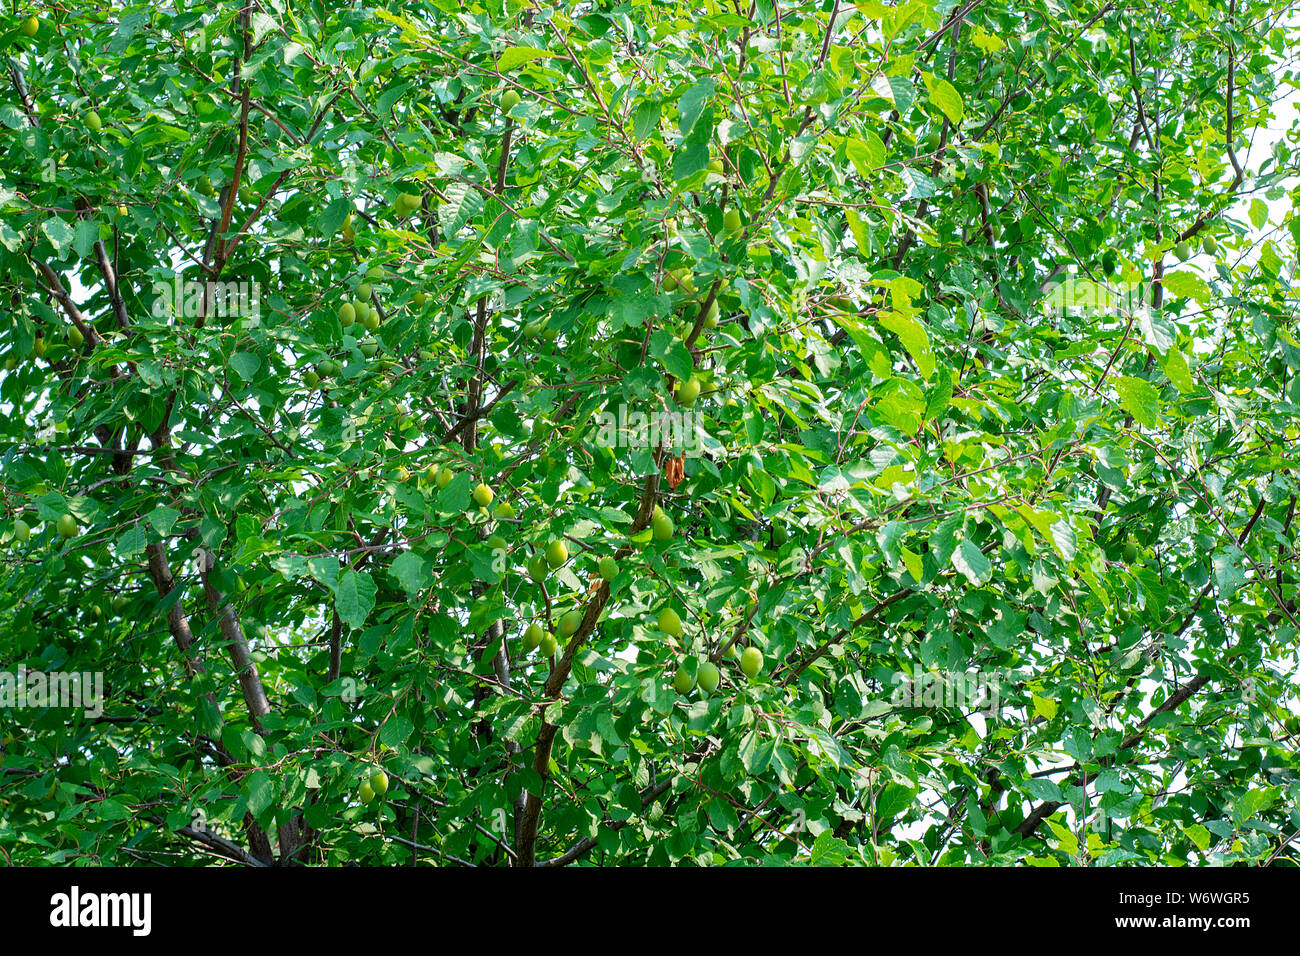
column 1183, row 249
column 66, row 526
column 707, row 674
column 553, row 556
column 376, row 785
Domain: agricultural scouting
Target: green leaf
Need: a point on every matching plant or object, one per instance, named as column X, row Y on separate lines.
column 513, row 57
column 945, row 96
column 970, row 561
column 1140, row 399
column 354, row 598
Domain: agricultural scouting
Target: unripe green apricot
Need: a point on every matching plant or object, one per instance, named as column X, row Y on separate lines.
column 22, row 530
column 688, row 391
column 661, row 526
column 538, row 568
column 570, row 622
column 682, row 681
column 503, row 510
column 608, row 568
column 369, row 348
column 751, row 662
column 707, row 676
column 533, row 635
column 711, row 317
column 444, row 477
column 483, row 495
column 366, row 793
column 556, row 553
column 371, row 321
column 93, row 122
column 1183, row 251
column 509, row 100
column 29, row 26
column 379, row 783
column 731, row 221
column 549, row 645
column 66, row 526
column 347, row 314
column 670, row 622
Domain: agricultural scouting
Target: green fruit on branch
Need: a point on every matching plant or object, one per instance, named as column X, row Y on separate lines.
column 670, row 622
column 509, row 100
column 361, row 310
column 347, row 314
column 549, row 645
column 1130, row 552
column 707, row 677
column 29, row 26
column 368, row 349
column 444, row 477
column 310, row 378
column 1183, row 251
column 688, row 391
column 503, row 510
column 75, row 338
column 570, row 622
column 367, row 792
column 1210, row 245
column 608, row 568
column 711, row 317
column 556, row 553
column 93, row 122
column 483, row 495
column 365, row 290
column 731, row 221
column 496, row 543
column 716, row 168
column 682, row 681
column 328, row 368
column 419, row 298
column 533, row 636
column 371, row 321
column 66, row 526
column 751, row 662
column 538, row 568
column 1109, row 263
column 22, row 530
column 379, row 783
column 661, row 526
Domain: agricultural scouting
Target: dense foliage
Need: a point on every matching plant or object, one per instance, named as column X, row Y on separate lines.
column 972, row 325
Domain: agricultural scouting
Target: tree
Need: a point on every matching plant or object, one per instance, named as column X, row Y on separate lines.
column 1019, row 555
